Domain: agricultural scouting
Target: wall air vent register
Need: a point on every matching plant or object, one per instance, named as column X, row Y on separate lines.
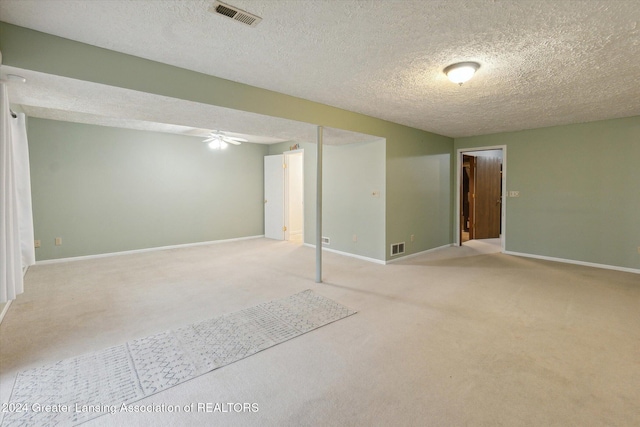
column 397, row 249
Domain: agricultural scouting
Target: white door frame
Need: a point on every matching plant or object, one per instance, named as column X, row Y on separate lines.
column 503, row 213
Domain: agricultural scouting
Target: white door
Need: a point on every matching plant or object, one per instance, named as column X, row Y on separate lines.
column 274, row 197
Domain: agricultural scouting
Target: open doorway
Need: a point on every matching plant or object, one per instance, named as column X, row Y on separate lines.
column 481, row 182
column 294, row 196
column 284, row 196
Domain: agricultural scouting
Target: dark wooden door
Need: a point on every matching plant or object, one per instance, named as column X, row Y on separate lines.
column 488, row 202
column 471, row 196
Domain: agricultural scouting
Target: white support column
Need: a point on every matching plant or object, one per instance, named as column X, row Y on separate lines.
column 319, row 207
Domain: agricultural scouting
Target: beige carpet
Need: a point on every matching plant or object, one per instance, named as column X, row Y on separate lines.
column 461, row 336
column 117, row 377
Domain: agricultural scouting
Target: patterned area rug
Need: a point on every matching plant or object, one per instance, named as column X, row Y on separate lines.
column 81, row 388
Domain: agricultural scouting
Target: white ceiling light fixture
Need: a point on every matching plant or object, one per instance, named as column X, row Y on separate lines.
column 461, row 72
column 219, row 141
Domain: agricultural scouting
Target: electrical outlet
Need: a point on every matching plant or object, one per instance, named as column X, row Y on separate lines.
column 375, row 193
column 514, row 194
column 355, row 237
column 58, row 241
column 37, row 243
column 413, row 237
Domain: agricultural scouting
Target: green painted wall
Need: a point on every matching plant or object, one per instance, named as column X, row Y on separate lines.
column 108, row 190
column 417, row 202
column 351, row 173
column 578, row 183
column 579, row 190
column 419, row 198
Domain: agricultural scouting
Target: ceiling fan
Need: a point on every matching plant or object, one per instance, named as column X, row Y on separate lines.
column 219, row 141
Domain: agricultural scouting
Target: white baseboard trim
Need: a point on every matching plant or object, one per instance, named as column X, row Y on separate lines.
column 5, row 309
column 8, row 303
column 138, row 251
column 406, row 257
column 378, row 261
column 571, row 261
column 363, row 258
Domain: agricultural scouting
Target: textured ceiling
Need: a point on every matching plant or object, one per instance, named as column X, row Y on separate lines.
column 61, row 98
column 543, row 63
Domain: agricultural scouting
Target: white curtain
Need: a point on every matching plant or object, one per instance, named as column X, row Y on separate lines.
column 16, row 219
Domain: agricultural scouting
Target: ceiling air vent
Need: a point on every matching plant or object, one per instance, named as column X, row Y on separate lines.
column 235, row 14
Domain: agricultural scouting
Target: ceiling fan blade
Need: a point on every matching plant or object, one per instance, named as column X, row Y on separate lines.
column 217, row 136
column 234, row 138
